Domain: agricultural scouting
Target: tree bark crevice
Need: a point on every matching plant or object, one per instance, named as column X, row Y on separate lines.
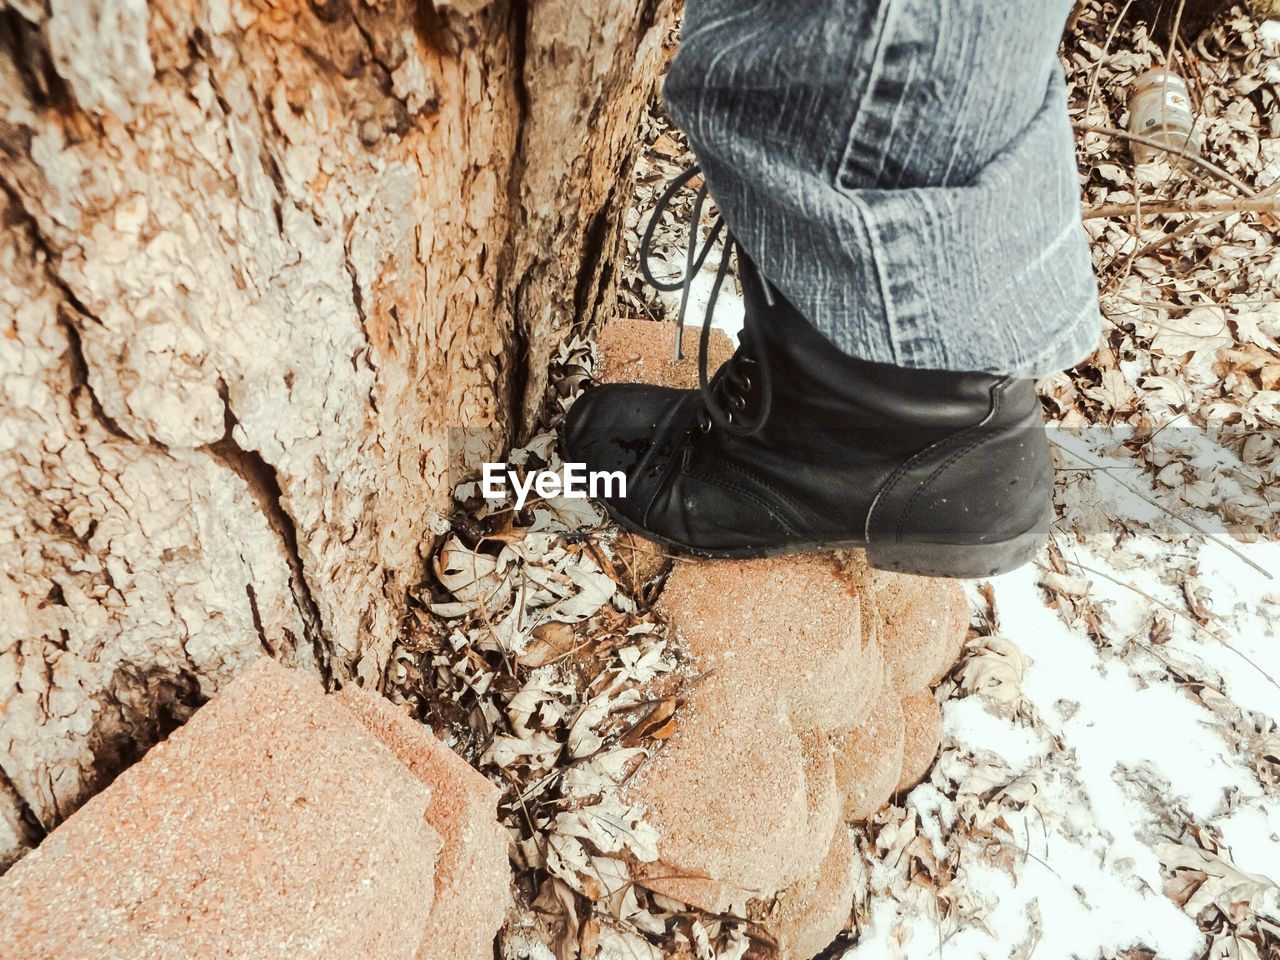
column 68, row 312
column 256, row 615
column 80, row 372
column 262, row 481
column 19, row 827
column 595, row 273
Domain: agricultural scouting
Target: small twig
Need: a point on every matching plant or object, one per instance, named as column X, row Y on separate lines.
column 1269, row 678
column 1190, row 226
column 1195, row 624
column 1149, row 648
column 1257, row 204
column 1193, row 225
column 1027, row 853
column 1185, row 154
column 539, row 840
column 1173, row 37
column 1221, row 304
column 1172, row 513
column 1106, row 50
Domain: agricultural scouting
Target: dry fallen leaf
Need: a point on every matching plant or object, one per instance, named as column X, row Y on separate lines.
column 551, row 641
column 1204, row 879
column 658, row 724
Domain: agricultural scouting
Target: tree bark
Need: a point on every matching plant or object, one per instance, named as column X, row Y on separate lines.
column 269, row 272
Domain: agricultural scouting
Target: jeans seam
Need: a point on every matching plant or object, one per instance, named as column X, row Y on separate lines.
column 877, row 260
column 853, row 140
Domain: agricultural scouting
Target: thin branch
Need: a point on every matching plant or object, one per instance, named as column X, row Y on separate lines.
column 1269, row 678
column 1106, row 50
column 1224, row 304
column 1254, row 204
column 1173, row 35
column 1191, row 226
column 1195, row 624
column 1182, row 152
column 1170, row 512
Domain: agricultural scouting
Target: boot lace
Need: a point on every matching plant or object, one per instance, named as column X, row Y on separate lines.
column 724, row 396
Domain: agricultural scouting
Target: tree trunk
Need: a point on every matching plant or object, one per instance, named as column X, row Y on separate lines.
column 269, row 271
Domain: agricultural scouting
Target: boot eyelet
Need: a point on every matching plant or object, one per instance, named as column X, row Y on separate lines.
column 737, row 402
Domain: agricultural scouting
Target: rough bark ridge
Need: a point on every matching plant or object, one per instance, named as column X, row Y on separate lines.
column 259, row 261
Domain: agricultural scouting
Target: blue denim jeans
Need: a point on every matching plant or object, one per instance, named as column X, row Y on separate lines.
column 902, row 170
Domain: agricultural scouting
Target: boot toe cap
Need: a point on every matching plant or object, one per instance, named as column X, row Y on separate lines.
column 612, row 427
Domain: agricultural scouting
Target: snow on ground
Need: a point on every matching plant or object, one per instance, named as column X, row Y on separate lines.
column 1113, row 756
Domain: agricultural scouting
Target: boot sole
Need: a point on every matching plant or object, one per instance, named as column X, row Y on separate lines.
column 959, row 561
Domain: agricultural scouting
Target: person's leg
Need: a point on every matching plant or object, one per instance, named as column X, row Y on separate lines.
column 900, row 184
column 902, row 170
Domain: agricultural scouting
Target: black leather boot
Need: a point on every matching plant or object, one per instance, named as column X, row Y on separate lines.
column 794, row 446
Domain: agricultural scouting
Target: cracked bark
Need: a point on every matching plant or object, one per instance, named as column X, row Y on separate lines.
column 262, row 482
column 257, row 263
